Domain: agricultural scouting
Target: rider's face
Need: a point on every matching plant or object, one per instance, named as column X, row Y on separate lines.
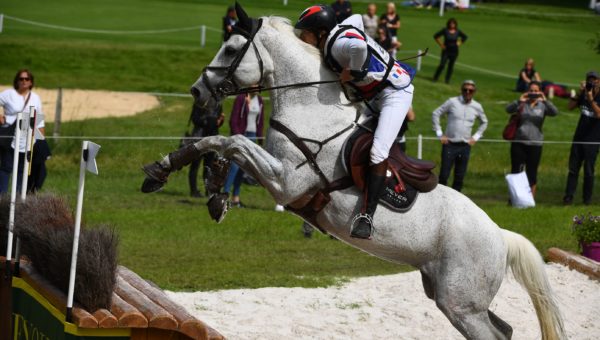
column 308, row 37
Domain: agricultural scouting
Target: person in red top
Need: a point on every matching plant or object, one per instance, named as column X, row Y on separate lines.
column 246, row 119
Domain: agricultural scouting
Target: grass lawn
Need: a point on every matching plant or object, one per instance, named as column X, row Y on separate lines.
column 169, row 238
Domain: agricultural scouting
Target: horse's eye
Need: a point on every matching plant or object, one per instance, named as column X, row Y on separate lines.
column 230, row 51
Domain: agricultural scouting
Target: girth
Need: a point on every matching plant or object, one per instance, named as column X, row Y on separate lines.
column 320, row 199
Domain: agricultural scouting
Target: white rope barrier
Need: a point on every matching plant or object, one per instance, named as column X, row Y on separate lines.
column 536, row 13
column 96, row 31
column 418, row 138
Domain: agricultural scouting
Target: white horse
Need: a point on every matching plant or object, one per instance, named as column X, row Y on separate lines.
column 461, row 253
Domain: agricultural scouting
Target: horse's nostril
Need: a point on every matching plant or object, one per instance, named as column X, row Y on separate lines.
column 195, row 92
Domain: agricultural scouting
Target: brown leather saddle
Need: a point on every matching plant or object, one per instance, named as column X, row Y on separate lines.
column 404, row 169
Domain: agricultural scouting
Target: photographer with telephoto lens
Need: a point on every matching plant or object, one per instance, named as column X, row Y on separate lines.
column 587, row 131
column 526, row 151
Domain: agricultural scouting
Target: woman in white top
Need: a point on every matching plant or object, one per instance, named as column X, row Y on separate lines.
column 18, row 99
column 247, row 116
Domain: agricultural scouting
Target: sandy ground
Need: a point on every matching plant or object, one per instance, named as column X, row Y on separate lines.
column 383, row 307
column 85, row 104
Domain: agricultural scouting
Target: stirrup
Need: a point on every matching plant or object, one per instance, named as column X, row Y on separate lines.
column 356, row 222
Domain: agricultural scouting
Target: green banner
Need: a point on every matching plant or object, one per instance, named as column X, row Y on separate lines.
column 34, row 318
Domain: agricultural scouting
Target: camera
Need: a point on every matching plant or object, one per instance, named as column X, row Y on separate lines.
column 589, row 85
column 533, row 95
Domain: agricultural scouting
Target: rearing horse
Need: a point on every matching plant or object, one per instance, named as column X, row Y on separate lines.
column 461, row 253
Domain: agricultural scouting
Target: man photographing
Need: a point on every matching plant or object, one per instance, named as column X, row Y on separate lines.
column 587, row 131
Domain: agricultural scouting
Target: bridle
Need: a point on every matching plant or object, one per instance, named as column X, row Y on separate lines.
column 229, row 87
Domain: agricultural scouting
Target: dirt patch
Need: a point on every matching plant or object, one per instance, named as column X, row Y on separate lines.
column 86, row 104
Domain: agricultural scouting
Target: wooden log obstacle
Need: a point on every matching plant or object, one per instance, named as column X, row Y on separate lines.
column 138, row 311
column 574, row 261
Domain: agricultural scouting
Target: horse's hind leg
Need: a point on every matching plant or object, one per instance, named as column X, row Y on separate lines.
column 500, row 324
column 464, row 294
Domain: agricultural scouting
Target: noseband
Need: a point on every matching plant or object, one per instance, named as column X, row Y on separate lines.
column 228, row 85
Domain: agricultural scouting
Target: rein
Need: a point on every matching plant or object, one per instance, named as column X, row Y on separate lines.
column 228, row 86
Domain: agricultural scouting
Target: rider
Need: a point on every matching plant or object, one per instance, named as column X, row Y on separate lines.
column 376, row 77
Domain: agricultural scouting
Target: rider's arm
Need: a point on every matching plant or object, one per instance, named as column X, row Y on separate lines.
column 354, row 52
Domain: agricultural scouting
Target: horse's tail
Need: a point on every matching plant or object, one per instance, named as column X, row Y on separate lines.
column 528, row 268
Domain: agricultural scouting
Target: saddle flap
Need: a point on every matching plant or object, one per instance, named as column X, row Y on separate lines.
column 417, row 173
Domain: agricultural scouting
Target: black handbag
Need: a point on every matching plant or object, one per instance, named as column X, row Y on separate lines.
column 6, row 135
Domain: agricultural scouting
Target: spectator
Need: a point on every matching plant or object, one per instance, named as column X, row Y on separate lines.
column 206, row 122
column 371, row 21
column 391, row 21
column 246, row 118
column 342, row 9
column 526, row 152
column 587, row 131
column 401, row 139
column 453, row 38
column 385, row 40
column 527, row 75
column 229, row 20
column 15, row 100
column 448, row 4
column 457, row 140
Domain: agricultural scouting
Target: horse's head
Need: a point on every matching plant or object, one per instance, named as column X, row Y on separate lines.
column 237, row 65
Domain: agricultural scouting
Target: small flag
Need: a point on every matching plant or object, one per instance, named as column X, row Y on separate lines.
column 89, row 156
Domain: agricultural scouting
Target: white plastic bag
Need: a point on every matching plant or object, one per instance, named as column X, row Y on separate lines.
column 519, row 190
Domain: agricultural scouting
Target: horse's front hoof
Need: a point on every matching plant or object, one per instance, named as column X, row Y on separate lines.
column 151, row 185
column 156, row 172
column 218, row 204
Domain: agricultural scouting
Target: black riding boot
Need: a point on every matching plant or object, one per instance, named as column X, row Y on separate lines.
column 362, row 224
column 158, row 172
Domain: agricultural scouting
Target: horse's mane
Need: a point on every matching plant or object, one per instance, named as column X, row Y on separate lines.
column 284, row 26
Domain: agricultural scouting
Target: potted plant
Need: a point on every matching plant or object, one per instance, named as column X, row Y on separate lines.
column 586, row 229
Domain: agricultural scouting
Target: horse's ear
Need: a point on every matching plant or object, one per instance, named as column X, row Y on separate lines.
column 245, row 22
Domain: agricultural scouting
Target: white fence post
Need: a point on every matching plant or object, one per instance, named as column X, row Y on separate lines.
column 420, row 146
column 419, row 60
column 1, row 21
column 203, row 35
column 285, row 2
column 442, row 2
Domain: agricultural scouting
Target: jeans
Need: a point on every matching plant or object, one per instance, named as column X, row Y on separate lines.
column 449, row 58
column 527, row 156
column 236, row 175
column 582, row 154
column 457, row 155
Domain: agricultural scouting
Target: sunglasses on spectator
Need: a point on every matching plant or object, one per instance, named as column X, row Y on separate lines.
column 24, row 79
column 468, row 90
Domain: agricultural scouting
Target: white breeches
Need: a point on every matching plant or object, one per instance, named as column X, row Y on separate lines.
column 393, row 105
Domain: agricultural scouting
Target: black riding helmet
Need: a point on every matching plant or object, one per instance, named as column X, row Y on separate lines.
column 317, row 18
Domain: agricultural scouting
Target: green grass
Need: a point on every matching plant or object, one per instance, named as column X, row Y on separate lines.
column 169, row 237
